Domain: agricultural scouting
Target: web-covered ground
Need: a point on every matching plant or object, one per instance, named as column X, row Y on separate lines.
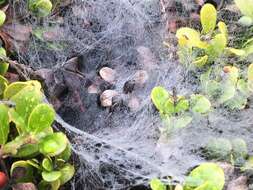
column 119, row 148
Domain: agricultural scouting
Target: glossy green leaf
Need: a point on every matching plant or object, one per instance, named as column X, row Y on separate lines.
column 53, row 144
column 191, row 36
column 28, row 150
column 156, row 184
column 159, row 96
column 18, row 120
column 208, row 174
column 2, row 17
column 200, row 104
column 21, row 171
column 34, row 163
column 4, row 124
column 201, row 61
column 16, row 87
column 208, row 18
column 181, row 105
column 67, row 172
column 41, row 117
column 169, row 107
column 223, row 29
column 245, row 6
column 3, row 65
column 3, row 85
column 26, row 100
column 47, row 164
column 218, row 148
column 51, row 176
column 65, row 155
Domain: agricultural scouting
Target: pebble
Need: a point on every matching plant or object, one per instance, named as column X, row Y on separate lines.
column 238, row 184
column 134, row 103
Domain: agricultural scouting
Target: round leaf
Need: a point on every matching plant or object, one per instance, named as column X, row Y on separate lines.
column 51, row 176
column 4, row 124
column 246, row 21
column 47, row 164
column 159, row 96
column 41, row 118
column 208, row 18
column 67, row 172
column 200, row 104
column 2, row 17
column 208, row 174
column 53, row 144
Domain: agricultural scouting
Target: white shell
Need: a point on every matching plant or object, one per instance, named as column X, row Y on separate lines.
column 106, row 97
column 107, row 74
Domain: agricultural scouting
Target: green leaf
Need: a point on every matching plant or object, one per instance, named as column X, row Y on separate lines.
column 3, row 85
column 2, row 17
column 213, row 89
column 240, row 150
column 17, row 120
column 242, row 86
column 237, row 52
column 210, row 175
column 67, row 172
column 156, row 184
column 169, row 107
column 181, row 105
column 159, row 96
column 40, row 8
column 200, row 104
column 3, row 65
column 216, row 47
column 34, row 163
column 245, row 6
column 208, row 18
column 16, row 87
column 201, row 61
column 246, row 21
column 21, row 171
column 191, row 37
column 47, row 164
column 28, row 150
column 26, row 100
column 65, row 155
column 51, row 176
column 218, row 148
column 53, row 144
column 4, row 124
column 42, row 117
column 228, row 92
column 223, row 29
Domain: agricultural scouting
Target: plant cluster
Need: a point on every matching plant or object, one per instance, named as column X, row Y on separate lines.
column 222, row 149
column 40, row 8
column 26, row 133
column 176, row 110
column 224, row 85
column 207, row 176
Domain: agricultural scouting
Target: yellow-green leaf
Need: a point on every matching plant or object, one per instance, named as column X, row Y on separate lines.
column 4, row 124
column 190, row 37
column 208, row 18
column 201, row 61
column 245, row 6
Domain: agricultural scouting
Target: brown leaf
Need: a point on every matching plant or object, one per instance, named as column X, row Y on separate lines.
column 24, row 186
